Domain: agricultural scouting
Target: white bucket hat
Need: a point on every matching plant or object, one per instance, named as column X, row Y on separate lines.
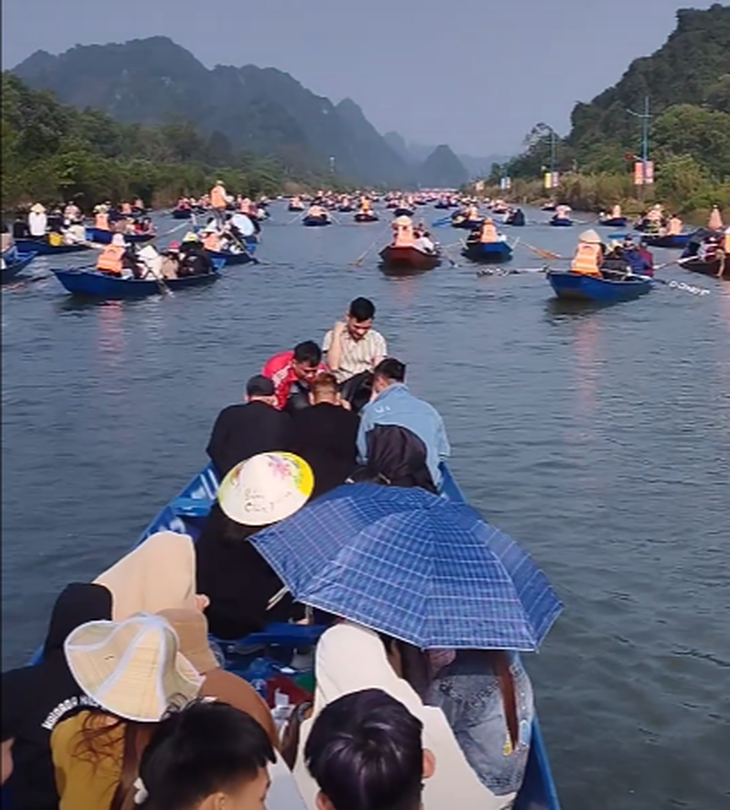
column 266, row 488
column 133, row 668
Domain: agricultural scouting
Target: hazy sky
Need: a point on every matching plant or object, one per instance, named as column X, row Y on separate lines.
column 476, row 74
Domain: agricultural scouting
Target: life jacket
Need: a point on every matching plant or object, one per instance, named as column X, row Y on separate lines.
column 675, row 226
column 126, row 209
column 110, row 260
column 587, row 260
column 489, row 233
column 404, row 236
column 726, row 243
column 212, row 242
column 616, row 212
column 101, row 221
column 218, row 197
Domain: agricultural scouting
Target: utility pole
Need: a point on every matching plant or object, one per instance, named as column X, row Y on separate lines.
column 645, row 117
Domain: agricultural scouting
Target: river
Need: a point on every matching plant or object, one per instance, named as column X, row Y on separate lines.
column 599, row 439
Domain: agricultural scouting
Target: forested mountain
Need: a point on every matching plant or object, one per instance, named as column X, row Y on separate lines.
column 687, row 82
column 442, row 169
column 265, row 111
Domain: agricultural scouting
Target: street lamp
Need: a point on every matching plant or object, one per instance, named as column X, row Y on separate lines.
column 645, row 117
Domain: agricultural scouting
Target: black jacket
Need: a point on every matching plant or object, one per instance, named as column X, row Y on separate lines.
column 325, row 436
column 35, row 698
column 242, row 431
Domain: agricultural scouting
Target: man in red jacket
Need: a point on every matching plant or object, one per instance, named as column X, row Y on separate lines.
column 294, row 370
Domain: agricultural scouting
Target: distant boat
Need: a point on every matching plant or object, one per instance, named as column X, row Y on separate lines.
column 561, row 222
column 316, row 220
column 408, row 258
column 15, row 263
column 366, row 216
column 487, row 252
column 580, row 287
column 677, row 241
column 103, row 237
column 44, row 248
column 614, row 222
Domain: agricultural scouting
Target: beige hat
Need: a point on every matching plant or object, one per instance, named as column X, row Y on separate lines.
column 133, row 668
column 191, row 627
column 590, row 237
column 37, row 208
column 266, row 489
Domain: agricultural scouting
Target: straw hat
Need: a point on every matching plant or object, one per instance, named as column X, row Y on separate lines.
column 191, row 627
column 191, row 236
column 590, row 237
column 37, row 208
column 266, row 489
column 133, row 668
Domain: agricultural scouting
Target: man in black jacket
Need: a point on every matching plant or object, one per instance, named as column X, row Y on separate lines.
column 245, row 430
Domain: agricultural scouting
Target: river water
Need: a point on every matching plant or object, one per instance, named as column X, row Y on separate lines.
column 598, row 438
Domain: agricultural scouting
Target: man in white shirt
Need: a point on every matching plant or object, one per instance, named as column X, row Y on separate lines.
column 353, row 348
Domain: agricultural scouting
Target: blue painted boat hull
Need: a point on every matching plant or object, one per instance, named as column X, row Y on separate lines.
column 676, row 242
column 94, row 284
column 487, row 252
column 102, row 237
column 12, row 268
column 614, row 222
column 231, row 259
column 44, row 248
column 579, row 287
column 561, row 223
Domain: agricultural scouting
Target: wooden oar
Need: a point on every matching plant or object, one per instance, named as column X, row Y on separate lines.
column 362, row 256
column 544, row 254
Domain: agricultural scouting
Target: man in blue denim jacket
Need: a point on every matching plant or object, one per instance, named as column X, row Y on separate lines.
column 393, row 404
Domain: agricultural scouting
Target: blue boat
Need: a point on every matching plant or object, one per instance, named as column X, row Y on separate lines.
column 92, row 283
column 103, row 237
column 614, row 222
column 677, row 241
column 459, row 221
column 487, row 252
column 44, row 248
column 317, row 221
column 580, row 287
column 15, row 263
column 561, row 222
column 232, row 259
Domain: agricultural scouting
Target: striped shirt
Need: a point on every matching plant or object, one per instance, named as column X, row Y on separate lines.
column 357, row 355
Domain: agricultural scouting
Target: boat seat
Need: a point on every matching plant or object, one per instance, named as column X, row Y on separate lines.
column 192, row 507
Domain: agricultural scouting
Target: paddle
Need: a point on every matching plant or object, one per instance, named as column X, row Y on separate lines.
column 360, row 258
column 544, row 254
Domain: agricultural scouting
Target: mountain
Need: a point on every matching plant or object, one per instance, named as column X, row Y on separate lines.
column 691, row 68
column 398, row 144
column 442, row 169
column 266, row 111
column 415, row 153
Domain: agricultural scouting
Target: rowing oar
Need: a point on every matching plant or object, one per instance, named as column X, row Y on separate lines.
column 451, row 261
column 543, row 254
column 360, row 258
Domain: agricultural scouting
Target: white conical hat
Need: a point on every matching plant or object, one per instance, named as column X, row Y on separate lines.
column 266, row 488
column 590, row 237
column 133, row 668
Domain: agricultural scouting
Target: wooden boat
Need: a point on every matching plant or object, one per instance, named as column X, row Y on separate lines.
column 103, row 237
column 487, row 252
column 408, row 258
column 95, row 284
column 44, row 248
column 614, row 222
column 316, row 221
column 366, row 216
column 677, row 241
column 580, row 287
column 15, row 264
column 561, row 222
column 711, row 268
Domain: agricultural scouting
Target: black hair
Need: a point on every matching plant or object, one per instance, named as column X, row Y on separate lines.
column 365, row 752
column 362, row 309
column 308, row 352
column 199, row 750
column 415, row 664
column 391, row 369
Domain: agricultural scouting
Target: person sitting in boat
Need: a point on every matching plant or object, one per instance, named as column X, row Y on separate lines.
column 249, row 428
column 365, row 205
column 8, row 242
column 37, row 221
column 396, row 765
column 708, row 249
column 674, row 225
column 616, row 212
column 126, row 209
column 615, row 263
column 562, row 212
column 101, row 218
column 20, row 228
column 325, row 435
column 403, row 236
column 424, row 243
column 714, row 223
column 393, row 405
column 472, row 213
column 143, row 225
column 353, row 349
column 488, row 232
column 211, row 239
column 317, row 212
column 588, row 256
column 654, row 219
column 292, row 373
column 194, row 259
column 171, row 261
column 72, row 212
column 640, row 261
column 117, row 259
column 245, row 592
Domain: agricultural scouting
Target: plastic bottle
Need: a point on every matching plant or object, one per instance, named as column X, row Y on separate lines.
column 258, row 674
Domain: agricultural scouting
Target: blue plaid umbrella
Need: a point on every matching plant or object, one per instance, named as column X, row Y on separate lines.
column 421, row 568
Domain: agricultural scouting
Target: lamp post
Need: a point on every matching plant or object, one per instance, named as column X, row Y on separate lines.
column 645, row 117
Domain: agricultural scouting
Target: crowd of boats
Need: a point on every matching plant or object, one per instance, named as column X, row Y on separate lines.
column 224, row 230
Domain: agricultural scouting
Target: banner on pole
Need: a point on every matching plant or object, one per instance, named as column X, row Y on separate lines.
column 505, row 183
column 552, row 179
column 640, row 177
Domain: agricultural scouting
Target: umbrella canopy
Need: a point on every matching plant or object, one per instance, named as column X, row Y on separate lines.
column 416, row 566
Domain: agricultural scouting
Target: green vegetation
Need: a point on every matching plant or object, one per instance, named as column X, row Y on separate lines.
column 52, row 152
column 688, row 84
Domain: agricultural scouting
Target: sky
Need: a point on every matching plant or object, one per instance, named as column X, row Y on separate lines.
column 476, row 74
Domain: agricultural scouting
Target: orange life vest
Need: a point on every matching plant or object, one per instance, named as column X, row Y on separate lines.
column 587, row 260
column 489, row 233
column 404, row 236
column 101, row 221
column 110, row 260
column 212, row 242
column 218, row 197
column 726, row 244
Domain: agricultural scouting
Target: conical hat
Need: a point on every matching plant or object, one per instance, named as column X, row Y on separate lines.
column 590, row 237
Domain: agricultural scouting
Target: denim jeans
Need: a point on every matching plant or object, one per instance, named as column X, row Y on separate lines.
column 468, row 692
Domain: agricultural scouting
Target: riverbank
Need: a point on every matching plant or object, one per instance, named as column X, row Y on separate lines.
column 595, row 193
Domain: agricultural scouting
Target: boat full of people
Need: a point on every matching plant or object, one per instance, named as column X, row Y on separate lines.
column 411, row 249
column 487, row 245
